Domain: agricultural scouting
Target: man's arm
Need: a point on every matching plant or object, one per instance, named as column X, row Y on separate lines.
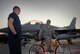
column 53, row 33
column 10, row 24
column 40, row 33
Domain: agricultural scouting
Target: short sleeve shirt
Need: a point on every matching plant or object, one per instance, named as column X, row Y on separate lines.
column 16, row 23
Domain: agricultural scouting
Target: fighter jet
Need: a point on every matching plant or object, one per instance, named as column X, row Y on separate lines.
column 28, row 27
column 31, row 30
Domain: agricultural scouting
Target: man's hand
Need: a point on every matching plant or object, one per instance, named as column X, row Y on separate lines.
column 16, row 35
column 42, row 39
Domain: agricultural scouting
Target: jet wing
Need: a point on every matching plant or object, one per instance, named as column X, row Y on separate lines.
column 68, row 36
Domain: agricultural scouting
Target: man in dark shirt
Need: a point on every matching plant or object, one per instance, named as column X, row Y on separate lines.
column 14, row 31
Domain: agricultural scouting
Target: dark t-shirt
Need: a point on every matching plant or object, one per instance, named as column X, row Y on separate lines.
column 16, row 23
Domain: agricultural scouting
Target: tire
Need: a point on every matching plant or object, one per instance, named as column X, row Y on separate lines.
column 62, row 49
column 36, row 49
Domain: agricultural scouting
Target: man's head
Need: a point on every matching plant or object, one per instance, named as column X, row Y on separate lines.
column 16, row 9
column 48, row 22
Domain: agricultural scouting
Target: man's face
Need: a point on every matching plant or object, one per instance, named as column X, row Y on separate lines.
column 48, row 22
column 17, row 11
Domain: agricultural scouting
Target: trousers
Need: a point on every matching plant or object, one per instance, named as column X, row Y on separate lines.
column 14, row 44
column 48, row 42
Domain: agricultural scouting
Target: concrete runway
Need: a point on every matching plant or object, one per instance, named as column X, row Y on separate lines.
column 75, row 48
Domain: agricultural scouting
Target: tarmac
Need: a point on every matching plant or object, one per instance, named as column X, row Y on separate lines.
column 75, row 47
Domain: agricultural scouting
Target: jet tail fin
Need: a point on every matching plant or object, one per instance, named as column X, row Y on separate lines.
column 73, row 23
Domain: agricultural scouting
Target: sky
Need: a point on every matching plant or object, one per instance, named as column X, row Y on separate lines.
column 60, row 12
